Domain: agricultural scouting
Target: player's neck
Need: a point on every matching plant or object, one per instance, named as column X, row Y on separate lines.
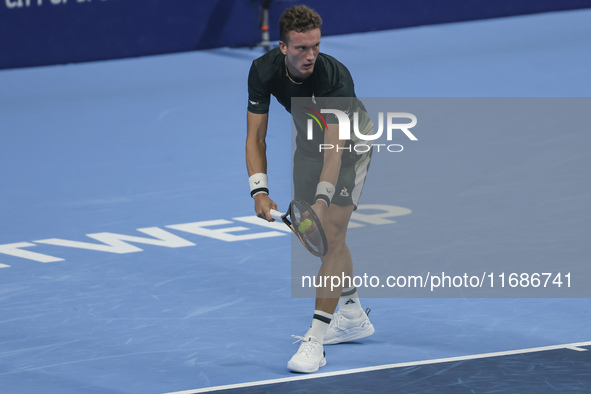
column 293, row 79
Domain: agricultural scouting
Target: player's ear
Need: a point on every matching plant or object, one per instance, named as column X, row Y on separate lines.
column 283, row 47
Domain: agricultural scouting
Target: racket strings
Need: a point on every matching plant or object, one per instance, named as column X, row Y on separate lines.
column 313, row 236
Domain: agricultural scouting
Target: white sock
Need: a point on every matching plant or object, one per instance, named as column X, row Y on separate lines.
column 319, row 325
column 349, row 304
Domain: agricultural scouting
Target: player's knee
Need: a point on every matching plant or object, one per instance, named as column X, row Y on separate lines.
column 335, row 242
column 334, row 233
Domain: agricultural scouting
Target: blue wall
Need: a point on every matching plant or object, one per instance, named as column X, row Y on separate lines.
column 41, row 32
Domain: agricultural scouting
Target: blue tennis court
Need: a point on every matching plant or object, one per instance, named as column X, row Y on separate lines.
column 131, row 261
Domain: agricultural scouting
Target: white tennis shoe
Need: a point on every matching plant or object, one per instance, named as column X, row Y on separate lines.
column 342, row 329
column 309, row 357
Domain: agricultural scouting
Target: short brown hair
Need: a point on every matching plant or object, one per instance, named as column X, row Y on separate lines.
column 298, row 18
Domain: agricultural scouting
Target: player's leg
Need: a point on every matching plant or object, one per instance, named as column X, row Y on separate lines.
column 310, row 355
column 351, row 322
column 336, row 263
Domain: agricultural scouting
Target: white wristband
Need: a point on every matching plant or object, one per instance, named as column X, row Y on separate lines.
column 325, row 192
column 258, row 184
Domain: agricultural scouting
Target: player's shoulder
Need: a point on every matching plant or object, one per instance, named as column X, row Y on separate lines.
column 331, row 73
column 330, row 61
column 268, row 65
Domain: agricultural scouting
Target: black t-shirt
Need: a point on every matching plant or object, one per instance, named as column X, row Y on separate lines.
column 268, row 76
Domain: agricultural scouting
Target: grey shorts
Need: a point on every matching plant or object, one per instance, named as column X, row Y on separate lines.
column 306, row 175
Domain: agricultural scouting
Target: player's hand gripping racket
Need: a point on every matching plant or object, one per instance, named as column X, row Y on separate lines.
column 304, row 223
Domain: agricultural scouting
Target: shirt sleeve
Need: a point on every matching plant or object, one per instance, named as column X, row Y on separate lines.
column 259, row 97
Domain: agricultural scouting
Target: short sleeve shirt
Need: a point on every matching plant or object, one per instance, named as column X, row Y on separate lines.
column 268, row 76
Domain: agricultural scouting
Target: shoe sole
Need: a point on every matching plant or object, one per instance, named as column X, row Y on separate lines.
column 297, row 368
column 351, row 334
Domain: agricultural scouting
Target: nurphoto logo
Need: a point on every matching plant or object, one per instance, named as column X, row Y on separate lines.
column 345, row 129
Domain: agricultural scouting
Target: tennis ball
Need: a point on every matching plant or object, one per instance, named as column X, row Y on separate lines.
column 304, row 225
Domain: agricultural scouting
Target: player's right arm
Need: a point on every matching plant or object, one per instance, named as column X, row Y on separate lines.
column 256, row 159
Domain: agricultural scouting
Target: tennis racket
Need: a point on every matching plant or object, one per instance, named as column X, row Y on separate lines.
column 304, row 223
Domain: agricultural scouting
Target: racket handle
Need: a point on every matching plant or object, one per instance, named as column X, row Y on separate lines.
column 276, row 214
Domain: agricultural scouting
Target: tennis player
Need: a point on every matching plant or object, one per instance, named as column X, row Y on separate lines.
column 331, row 181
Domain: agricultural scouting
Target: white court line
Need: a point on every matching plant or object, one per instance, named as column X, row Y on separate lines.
column 578, row 349
column 570, row 346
